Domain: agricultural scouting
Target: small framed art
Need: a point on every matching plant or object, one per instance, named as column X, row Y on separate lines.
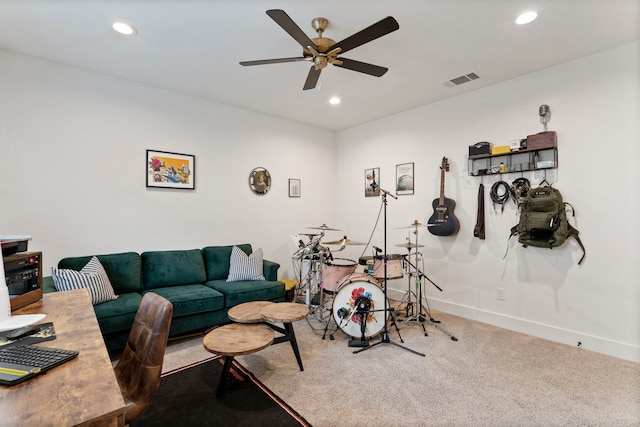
column 170, row 170
column 294, row 187
column 260, row 181
column 372, row 182
column 404, row 178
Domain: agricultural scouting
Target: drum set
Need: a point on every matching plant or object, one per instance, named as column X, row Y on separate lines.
column 354, row 301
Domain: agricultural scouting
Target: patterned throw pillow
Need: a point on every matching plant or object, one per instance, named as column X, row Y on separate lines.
column 92, row 277
column 245, row 267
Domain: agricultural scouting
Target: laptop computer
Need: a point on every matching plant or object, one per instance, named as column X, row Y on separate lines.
column 21, row 362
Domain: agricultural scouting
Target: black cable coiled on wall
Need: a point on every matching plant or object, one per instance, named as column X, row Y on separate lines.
column 500, row 198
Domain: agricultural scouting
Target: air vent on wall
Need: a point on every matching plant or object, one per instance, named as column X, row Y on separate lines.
column 461, row 80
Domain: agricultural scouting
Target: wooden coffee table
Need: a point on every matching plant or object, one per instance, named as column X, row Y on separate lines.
column 267, row 311
column 236, row 339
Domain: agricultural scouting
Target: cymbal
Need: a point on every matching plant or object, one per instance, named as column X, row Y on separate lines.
column 415, row 224
column 409, row 245
column 324, row 227
column 344, row 242
column 309, row 234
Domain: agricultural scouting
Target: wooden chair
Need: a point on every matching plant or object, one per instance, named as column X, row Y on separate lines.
column 138, row 369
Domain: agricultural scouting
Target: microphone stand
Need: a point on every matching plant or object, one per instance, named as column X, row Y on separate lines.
column 385, row 333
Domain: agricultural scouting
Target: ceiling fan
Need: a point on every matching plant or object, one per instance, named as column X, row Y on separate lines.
column 322, row 51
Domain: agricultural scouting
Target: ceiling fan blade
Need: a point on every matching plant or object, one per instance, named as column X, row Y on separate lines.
column 274, row 61
column 312, row 78
column 372, row 32
column 290, row 27
column 362, row 67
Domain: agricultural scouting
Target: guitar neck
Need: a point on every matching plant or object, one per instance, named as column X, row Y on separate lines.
column 441, row 187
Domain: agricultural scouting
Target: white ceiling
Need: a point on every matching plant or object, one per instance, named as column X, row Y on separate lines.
column 194, row 47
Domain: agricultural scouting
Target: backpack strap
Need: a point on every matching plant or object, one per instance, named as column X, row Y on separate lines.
column 575, row 234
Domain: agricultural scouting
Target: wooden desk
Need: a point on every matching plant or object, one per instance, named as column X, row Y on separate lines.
column 83, row 391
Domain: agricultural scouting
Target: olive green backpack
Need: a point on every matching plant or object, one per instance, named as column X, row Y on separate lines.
column 543, row 220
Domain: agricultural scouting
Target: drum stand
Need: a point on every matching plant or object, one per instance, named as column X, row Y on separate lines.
column 385, row 332
column 314, row 253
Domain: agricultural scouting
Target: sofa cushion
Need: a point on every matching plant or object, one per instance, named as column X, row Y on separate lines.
column 123, row 269
column 91, row 277
column 191, row 299
column 217, row 259
column 252, row 290
column 172, row 268
column 245, row 267
column 118, row 315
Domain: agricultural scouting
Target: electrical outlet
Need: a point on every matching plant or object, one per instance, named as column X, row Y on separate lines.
column 500, row 294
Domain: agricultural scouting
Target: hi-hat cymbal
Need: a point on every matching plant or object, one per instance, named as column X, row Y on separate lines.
column 344, row 242
column 409, row 245
column 324, row 227
column 415, row 224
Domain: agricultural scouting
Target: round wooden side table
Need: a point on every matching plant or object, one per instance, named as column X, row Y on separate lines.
column 236, row 339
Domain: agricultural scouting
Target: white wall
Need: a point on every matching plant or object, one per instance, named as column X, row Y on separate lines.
column 72, row 153
column 595, row 107
column 72, row 147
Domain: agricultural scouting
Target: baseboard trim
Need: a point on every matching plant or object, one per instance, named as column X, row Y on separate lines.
column 609, row 347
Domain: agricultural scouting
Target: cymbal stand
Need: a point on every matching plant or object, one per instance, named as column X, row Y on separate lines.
column 385, row 333
column 426, row 317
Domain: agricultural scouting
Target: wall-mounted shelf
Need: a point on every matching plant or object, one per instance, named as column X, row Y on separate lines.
column 513, row 162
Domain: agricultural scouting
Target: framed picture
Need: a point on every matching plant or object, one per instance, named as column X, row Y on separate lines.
column 372, row 182
column 260, row 181
column 170, row 170
column 404, row 178
column 294, row 187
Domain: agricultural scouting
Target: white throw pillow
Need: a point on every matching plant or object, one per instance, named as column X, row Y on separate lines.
column 245, row 267
column 92, row 277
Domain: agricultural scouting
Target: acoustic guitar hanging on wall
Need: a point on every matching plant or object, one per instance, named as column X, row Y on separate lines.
column 443, row 222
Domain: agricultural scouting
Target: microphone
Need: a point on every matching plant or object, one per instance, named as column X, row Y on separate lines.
column 386, row 192
column 545, row 115
column 377, row 249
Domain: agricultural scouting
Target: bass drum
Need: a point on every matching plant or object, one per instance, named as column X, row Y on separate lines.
column 359, row 292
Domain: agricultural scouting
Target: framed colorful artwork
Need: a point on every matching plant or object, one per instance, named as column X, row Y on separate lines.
column 170, row 170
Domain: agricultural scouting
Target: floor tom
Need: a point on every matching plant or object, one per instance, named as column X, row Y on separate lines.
column 334, row 270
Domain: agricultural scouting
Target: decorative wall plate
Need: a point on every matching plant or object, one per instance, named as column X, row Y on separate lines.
column 260, row 181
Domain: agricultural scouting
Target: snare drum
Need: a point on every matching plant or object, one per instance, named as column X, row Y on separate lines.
column 354, row 292
column 394, row 266
column 334, row 270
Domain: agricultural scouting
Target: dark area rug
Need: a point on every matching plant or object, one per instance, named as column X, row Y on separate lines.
column 187, row 397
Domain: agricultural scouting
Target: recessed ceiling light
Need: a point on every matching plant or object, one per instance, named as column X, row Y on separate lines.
column 334, row 100
column 526, row 17
column 124, row 28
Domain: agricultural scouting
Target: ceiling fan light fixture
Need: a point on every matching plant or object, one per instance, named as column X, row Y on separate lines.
column 526, row 17
column 124, row 28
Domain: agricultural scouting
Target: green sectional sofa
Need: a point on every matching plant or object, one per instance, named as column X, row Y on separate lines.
column 195, row 281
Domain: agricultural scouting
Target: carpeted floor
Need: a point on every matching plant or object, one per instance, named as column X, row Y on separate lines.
column 489, row 377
